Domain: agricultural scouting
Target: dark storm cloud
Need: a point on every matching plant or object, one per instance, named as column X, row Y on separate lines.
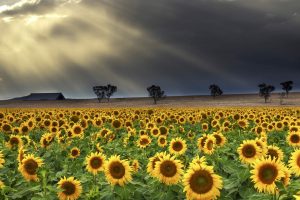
column 181, row 45
column 254, row 41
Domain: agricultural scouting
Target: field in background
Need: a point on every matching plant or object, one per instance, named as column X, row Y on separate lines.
column 189, row 101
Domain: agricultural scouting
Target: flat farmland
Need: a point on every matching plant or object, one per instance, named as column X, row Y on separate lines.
column 236, row 100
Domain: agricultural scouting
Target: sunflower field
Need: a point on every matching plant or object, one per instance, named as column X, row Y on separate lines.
column 150, row 153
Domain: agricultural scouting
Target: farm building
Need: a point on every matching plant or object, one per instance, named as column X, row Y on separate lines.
column 42, row 96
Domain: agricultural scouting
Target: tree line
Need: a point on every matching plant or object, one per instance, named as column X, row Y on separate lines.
column 155, row 91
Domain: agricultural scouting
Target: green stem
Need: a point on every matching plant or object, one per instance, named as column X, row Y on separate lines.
column 44, row 183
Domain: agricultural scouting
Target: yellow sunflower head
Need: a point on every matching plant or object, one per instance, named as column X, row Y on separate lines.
column 200, row 182
column 14, row 141
column 201, row 142
column 163, row 130
column 220, row 139
column 274, row 152
column 29, row 167
column 74, row 152
column 2, row 161
column 209, row 145
column 117, row 171
column 135, row 165
column 177, row 146
column 243, row 123
column 249, row 151
column 155, row 132
column 205, row 126
column 77, row 131
column 117, row 124
column 294, row 162
column 152, row 162
column 293, row 139
column 2, row 185
column 287, row 174
column 71, row 188
column 198, row 161
column 265, row 173
column 168, row 170
column 144, row 141
column 21, row 154
column 95, row 162
column 162, row 141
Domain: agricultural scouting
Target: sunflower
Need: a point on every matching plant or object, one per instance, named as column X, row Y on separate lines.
column 21, row 154
column 117, row 124
column 177, row 146
column 220, row 139
column 279, row 126
column 46, row 140
column 163, row 130
column 262, row 145
column 259, row 130
column 2, row 161
column 265, row 173
column 74, row 152
column 191, row 135
column 201, row 142
column 71, row 188
column 205, row 127
column 26, row 139
column 144, row 141
column 249, row 151
column 6, row 128
column 14, row 141
column 155, row 132
column 200, row 182
column 152, row 162
column 297, row 196
column 135, row 165
column 29, row 166
column 243, row 123
column 168, row 170
column 162, row 141
column 198, row 161
column 117, row 171
column 287, row 174
column 274, row 152
column 294, row 162
column 270, row 127
column 77, row 131
column 95, row 162
column 209, row 145
column 2, row 185
column 293, row 139
column 24, row 129
column 97, row 122
column 214, row 123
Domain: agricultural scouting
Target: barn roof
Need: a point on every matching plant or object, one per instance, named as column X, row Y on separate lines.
column 43, row 96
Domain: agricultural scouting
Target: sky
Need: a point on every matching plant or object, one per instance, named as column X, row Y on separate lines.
column 69, row 46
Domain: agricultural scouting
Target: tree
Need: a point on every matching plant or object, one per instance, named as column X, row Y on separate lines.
column 287, row 86
column 104, row 91
column 155, row 92
column 215, row 90
column 265, row 90
column 111, row 89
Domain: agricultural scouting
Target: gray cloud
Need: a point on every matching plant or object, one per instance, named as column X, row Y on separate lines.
column 182, row 45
